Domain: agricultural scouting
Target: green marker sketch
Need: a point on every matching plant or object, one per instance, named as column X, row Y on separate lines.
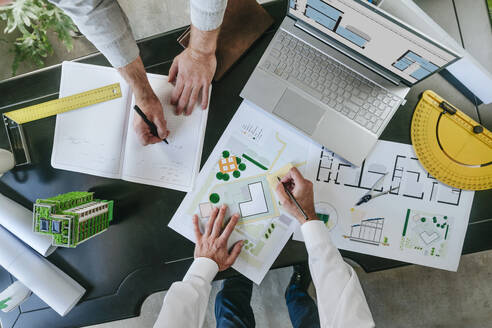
column 406, row 223
column 446, row 234
column 3, row 303
column 261, row 166
column 214, row 198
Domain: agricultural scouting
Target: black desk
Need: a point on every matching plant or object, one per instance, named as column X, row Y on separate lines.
column 139, row 255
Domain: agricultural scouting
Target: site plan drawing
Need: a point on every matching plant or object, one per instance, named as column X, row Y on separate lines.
column 420, row 221
column 242, row 173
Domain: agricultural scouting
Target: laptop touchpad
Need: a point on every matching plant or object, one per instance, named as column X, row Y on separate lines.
column 299, row 111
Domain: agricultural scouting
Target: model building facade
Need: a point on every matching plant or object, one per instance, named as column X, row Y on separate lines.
column 72, row 218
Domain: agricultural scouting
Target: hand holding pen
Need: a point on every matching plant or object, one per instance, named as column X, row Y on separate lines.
column 297, row 196
column 152, row 127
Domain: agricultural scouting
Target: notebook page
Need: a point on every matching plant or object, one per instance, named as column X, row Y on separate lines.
column 90, row 140
column 174, row 165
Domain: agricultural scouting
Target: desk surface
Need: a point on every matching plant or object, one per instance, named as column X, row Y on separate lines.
column 139, row 255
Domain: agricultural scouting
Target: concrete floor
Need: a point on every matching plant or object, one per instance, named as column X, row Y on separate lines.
column 411, row 296
column 407, row 297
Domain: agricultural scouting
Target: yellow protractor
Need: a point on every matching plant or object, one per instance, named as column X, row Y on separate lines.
column 451, row 146
column 65, row 104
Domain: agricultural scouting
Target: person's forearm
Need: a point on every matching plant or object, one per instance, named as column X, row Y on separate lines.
column 341, row 301
column 5, row 2
column 186, row 302
column 105, row 24
column 203, row 43
column 135, row 75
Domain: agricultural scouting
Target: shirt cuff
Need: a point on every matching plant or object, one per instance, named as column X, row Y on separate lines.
column 121, row 51
column 202, row 267
column 207, row 15
column 315, row 233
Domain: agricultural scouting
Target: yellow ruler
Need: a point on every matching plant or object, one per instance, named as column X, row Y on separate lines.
column 451, row 146
column 62, row 105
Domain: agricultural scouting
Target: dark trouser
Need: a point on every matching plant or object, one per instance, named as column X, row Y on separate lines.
column 233, row 309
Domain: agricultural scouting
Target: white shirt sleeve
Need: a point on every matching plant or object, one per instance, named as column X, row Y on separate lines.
column 186, row 302
column 105, row 24
column 207, row 15
column 341, row 301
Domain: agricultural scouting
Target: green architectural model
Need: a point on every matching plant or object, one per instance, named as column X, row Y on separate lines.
column 72, row 218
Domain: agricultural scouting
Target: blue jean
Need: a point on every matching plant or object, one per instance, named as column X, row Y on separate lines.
column 233, row 309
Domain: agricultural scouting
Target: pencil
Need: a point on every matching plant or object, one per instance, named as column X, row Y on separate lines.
column 294, row 200
column 151, row 125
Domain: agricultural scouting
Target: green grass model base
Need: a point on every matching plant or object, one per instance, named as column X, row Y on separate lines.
column 72, row 218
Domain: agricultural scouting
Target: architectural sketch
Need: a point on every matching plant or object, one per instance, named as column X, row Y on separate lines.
column 327, row 213
column 368, row 231
column 257, row 204
column 426, row 233
column 405, row 171
column 242, row 173
column 424, row 221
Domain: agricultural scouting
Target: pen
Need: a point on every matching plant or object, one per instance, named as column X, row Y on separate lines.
column 152, row 127
column 294, row 200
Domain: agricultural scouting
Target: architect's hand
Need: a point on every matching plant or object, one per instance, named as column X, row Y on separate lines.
column 302, row 190
column 192, row 71
column 213, row 242
column 145, row 98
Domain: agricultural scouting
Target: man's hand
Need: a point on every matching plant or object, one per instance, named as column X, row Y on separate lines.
column 145, row 98
column 213, row 242
column 302, row 190
column 193, row 71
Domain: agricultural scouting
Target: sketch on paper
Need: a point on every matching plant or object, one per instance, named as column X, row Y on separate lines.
column 405, row 220
column 242, row 172
column 368, row 231
column 406, row 173
column 426, row 233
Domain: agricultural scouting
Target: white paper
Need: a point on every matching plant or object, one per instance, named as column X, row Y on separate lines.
column 174, row 165
column 264, row 225
column 90, row 140
column 100, row 140
column 48, row 282
column 18, row 220
column 423, row 222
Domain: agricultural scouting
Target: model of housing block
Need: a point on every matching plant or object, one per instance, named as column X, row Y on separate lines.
column 72, row 218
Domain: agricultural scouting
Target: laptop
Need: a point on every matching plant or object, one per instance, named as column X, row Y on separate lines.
column 337, row 71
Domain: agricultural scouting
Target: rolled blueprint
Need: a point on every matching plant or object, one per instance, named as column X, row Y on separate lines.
column 18, row 220
column 44, row 279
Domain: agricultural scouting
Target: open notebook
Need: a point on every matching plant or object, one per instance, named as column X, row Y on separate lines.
column 100, row 140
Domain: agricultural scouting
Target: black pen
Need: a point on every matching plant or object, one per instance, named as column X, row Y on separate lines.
column 294, row 200
column 152, row 127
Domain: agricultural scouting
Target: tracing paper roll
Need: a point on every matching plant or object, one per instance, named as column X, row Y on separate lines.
column 44, row 279
column 18, row 220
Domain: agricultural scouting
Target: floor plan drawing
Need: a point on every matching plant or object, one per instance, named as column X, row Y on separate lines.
column 405, row 171
column 403, row 224
column 242, row 172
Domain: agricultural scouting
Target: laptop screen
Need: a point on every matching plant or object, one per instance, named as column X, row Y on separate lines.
column 372, row 33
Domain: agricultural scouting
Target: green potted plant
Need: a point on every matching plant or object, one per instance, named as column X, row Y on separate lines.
column 33, row 19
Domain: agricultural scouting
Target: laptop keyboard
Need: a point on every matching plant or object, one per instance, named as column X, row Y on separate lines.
column 330, row 82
